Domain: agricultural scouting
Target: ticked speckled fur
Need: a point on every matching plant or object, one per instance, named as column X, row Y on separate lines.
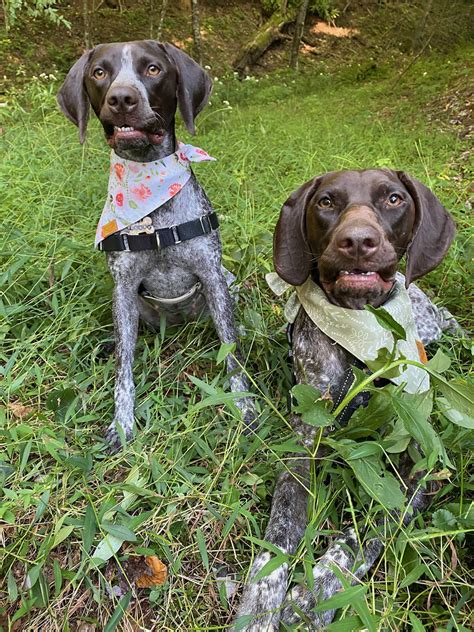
column 169, row 273
column 318, row 361
column 134, row 100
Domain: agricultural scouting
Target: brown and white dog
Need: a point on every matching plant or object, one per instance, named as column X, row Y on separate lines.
column 348, row 230
column 134, row 88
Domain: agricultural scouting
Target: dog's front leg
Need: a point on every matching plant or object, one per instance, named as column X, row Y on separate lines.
column 220, row 306
column 262, row 599
column 125, row 317
column 352, row 560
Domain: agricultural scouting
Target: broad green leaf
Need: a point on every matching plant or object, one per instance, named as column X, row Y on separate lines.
column 368, row 448
column 61, row 535
column 383, row 359
column 58, row 579
column 411, row 409
column 230, row 522
column 222, row 397
column 118, row 613
column 268, row 546
column 12, row 587
column 60, row 401
column 459, row 394
column 397, row 441
column 242, row 622
column 342, row 598
column 387, row 321
column 416, row 624
column 313, row 410
column 413, row 576
column 106, row 548
column 273, row 563
column 32, row 576
column 444, row 520
column 455, row 416
column 378, row 413
column 224, row 350
column 201, row 542
column 119, row 531
column 42, row 505
column 378, row 483
column 138, row 482
column 371, row 474
column 89, row 529
column 348, row 624
column 25, row 455
column 440, row 362
column 209, row 389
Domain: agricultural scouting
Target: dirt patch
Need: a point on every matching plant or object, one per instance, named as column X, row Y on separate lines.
column 323, row 28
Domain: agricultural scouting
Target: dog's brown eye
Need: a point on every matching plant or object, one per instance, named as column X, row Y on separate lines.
column 394, row 199
column 152, row 70
column 325, row 202
column 99, row 73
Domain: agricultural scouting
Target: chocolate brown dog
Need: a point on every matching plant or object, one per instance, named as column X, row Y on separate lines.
column 348, row 230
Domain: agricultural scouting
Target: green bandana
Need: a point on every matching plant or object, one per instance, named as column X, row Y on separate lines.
column 357, row 330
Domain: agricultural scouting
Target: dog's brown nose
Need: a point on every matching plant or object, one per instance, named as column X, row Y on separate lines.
column 361, row 241
column 122, row 99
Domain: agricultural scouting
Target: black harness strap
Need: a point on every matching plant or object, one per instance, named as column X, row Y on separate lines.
column 161, row 237
column 360, row 400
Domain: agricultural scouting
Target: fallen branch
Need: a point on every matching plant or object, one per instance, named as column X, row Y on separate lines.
column 271, row 31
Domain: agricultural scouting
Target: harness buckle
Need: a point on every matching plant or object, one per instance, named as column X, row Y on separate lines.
column 209, row 227
column 126, row 245
column 174, row 231
column 157, row 239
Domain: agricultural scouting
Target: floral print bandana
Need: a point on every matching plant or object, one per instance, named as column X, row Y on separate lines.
column 357, row 330
column 138, row 188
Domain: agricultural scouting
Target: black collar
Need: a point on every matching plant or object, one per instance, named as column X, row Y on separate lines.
column 161, row 237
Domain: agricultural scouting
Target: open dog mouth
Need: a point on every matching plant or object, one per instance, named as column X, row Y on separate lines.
column 358, row 280
column 125, row 133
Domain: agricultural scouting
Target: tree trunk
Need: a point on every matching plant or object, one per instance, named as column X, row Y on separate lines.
column 299, row 26
column 270, row 32
column 196, row 31
column 86, row 24
column 419, row 37
column 159, row 30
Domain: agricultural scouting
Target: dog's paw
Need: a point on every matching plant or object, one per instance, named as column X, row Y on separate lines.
column 116, row 437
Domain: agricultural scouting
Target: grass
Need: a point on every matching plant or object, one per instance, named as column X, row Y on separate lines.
column 191, row 488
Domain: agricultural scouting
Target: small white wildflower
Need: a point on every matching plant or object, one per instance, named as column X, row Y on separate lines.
column 226, row 102
column 207, row 67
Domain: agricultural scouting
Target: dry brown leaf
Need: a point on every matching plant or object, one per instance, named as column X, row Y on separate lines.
column 19, row 410
column 155, row 575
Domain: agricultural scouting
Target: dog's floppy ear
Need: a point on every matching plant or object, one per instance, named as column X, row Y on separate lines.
column 291, row 253
column 72, row 96
column 194, row 85
column 433, row 230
